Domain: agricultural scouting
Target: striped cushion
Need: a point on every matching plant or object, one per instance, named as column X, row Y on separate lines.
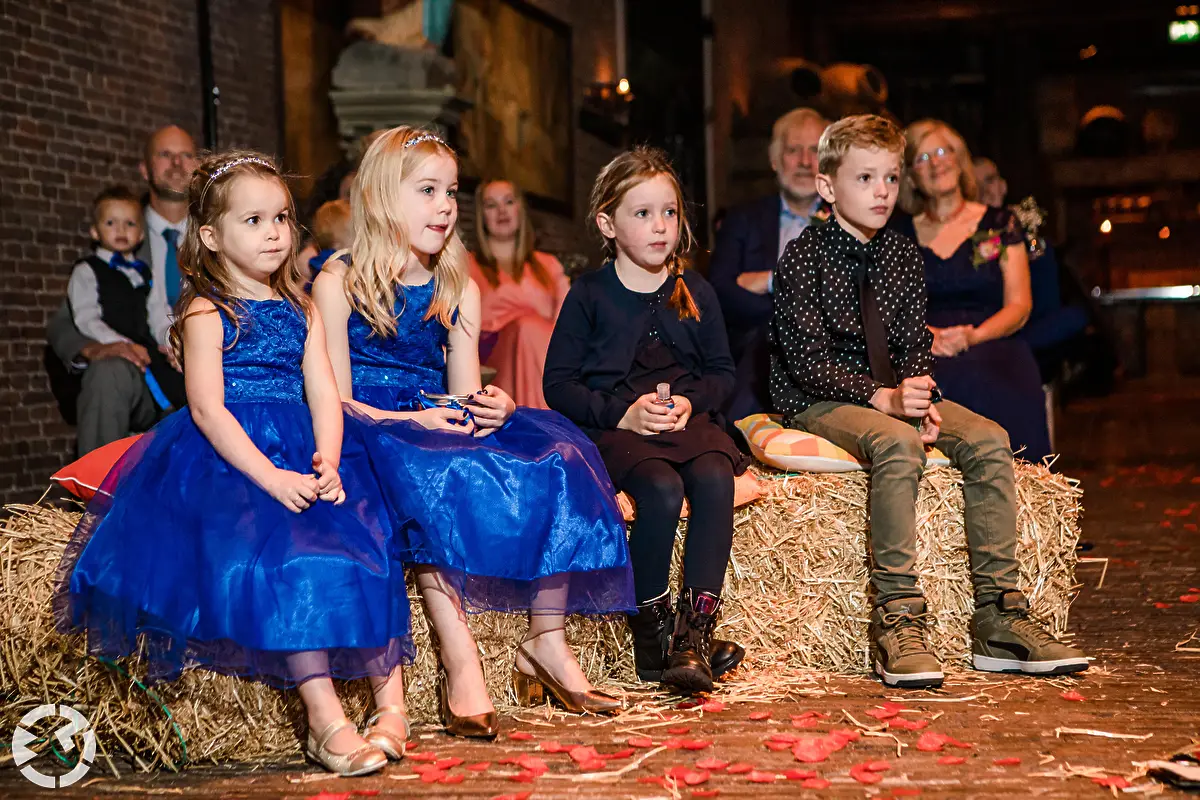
column 798, row 451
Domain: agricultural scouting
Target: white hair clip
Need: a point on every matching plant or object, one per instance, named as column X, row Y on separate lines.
column 426, row 137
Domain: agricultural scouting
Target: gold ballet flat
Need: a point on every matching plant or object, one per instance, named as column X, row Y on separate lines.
column 362, row 760
column 391, row 744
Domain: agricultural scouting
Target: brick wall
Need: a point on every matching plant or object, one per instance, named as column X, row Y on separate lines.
column 81, row 85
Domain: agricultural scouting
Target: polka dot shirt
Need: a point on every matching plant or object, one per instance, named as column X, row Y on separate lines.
column 818, row 347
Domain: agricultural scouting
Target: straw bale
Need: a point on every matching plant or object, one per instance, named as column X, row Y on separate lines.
column 796, row 597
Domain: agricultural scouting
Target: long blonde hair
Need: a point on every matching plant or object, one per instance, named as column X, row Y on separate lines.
column 912, row 199
column 627, row 170
column 525, row 255
column 381, row 245
column 204, row 273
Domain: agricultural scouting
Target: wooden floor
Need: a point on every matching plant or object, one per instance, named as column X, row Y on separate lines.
column 1136, row 454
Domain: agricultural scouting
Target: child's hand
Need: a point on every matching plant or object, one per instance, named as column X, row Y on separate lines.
column 647, row 417
column 911, row 399
column 930, row 426
column 682, row 411
column 297, row 492
column 329, row 482
column 443, row 419
column 491, row 408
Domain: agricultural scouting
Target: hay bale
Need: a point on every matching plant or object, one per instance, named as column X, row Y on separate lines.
column 796, row 598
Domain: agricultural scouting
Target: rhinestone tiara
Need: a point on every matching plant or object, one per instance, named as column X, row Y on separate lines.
column 228, row 165
column 426, row 137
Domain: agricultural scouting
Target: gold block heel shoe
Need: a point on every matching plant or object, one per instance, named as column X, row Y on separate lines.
column 391, row 744
column 532, row 690
column 362, row 760
column 476, row 726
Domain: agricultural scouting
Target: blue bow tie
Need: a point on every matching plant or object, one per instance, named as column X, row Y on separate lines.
column 119, row 261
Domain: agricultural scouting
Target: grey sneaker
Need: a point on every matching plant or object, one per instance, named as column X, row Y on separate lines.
column 1005, row 638
column 898, row 648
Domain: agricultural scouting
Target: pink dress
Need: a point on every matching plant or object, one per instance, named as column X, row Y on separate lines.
column 523, row 316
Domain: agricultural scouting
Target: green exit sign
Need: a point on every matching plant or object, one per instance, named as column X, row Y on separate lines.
column 1184, row 30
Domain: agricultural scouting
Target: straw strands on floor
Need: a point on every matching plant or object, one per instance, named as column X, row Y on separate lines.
column 796, row 597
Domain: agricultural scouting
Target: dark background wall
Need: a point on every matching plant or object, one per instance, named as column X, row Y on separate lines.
column 81, row 85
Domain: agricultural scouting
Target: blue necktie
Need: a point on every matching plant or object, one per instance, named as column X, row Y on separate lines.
column 171, row 265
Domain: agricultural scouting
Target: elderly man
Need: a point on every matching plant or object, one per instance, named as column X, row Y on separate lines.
column 749, row 244
column 112, row 399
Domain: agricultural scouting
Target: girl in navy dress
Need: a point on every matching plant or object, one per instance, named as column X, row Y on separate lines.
column 638, row 325
column 500, row 508
column 239, row 535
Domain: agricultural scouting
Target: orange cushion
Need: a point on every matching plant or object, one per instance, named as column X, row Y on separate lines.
column 800, row 451
column 82, row 478
column 746, row 489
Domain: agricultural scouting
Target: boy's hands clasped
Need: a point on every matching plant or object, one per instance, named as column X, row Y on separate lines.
column 648, row 417
column 912, row 400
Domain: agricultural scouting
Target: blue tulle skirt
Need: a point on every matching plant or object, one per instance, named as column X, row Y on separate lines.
column 530, row 506
column 183, row 550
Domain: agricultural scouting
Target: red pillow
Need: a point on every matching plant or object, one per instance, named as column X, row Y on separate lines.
column 82, row 478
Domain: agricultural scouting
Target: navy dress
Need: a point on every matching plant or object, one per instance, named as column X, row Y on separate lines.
column 497, row 513
column 997, row 379
column 183, row 549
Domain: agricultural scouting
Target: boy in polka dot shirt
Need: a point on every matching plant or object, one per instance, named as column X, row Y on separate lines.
column 851, row 362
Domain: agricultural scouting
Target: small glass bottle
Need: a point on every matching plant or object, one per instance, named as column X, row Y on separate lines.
column 664, row 396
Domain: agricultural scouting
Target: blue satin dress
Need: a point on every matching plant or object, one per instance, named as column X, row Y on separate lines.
column 180, row 547
column 497, row 513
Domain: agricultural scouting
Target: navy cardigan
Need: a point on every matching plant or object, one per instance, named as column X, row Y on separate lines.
column 598, row 330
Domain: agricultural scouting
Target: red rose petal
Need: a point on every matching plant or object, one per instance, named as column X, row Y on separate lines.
column 555, row 747
column 881, row 713
column 777, row 747
column 1189, row 598
column 815, row 783
column 592, row 765
column 739, row 768
column 507, row 760
column 456, row 777
column 532, row 763
column 906, row 792
column 625, row 752
column 756, row 776
column 448, row 763
column 807, row 722
column 810, row 715
column 1071, row 694
column 479, row 767
column 658, row 780
column 421, row 769
column 877, row 766
column 1012, row 761
column 580, row 753
column 902, row 724
column 1162, row 605
column 931, row 742
column 861, row 774
column 1115, row 781
column 521, row 796
column 810, row 751
column 421, row 756
column 696, row 744
column 760, row 715
column 639, row 741
column 524, row 777
column 686, row 704
column 679, row 730
column 845, row 734
column 705, row 792
column 673, row 744
column 711, row 764
column 890, row 706
column 950, row 740
column 432, row 776
column 1194, row 590
column 947, row 761
column 695, row 778
column 798, row 774
column 520, row 736
column 713, row 706
column 784, row 736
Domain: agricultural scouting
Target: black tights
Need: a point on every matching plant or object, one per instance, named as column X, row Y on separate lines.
column 658, row 488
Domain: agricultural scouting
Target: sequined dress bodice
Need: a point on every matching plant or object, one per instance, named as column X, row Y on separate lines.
column 405, row 363
column 262, row 361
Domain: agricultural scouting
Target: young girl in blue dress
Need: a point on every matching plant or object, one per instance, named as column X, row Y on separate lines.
column 640, row 360
column 239, row 535
column 501, row 508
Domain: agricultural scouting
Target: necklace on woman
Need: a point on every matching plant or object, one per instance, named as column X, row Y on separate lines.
column 962, row 203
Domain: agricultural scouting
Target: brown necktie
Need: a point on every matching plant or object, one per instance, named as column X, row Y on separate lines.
column 873, row 327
